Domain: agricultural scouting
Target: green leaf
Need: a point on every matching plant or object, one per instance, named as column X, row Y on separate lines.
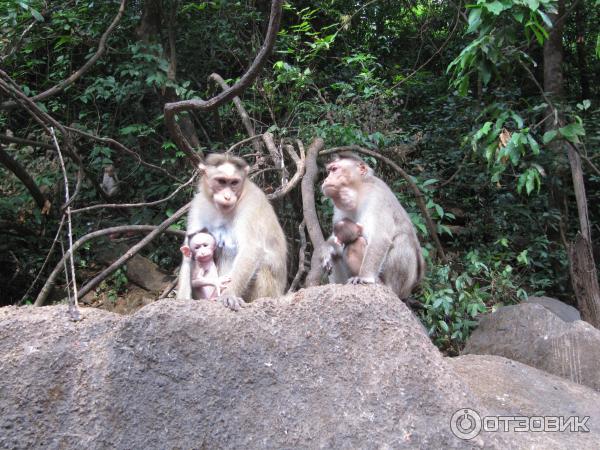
column 532, row 4
column 549, row 136
column 36, row 15
column 474, row 20
column 572, row 132
column 535, row 148
column 495, row 7
column 545, row 18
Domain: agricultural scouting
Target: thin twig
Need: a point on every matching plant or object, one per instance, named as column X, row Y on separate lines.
column 50, row 282
column 137, row 205
column 73, row 301
column 133, row 250
column 48, row 255
column 301, row 258
column 89, row 63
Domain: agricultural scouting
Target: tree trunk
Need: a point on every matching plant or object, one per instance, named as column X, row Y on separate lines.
column 582, row 267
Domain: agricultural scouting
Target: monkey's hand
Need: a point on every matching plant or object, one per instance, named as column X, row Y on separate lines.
column 232, row 302
column 361, row 280
column 224, row 281
column 330, row 253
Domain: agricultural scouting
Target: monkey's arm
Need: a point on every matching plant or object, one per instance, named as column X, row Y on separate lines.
column 205, row 281
column 245, row 266
column 330, row 254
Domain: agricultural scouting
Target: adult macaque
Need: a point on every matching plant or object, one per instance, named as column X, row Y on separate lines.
column 347, row 243
column 252, row 249
column 393, row 253
column 206, row 282
column 110, row 182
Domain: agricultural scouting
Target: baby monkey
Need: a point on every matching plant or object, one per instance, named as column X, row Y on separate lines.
column 206, row 282
column 349, row 243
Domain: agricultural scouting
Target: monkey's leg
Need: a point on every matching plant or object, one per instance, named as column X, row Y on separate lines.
column 265, row 284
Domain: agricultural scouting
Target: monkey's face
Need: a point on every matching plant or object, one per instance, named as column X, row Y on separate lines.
column 342, row 173
column 346, row 231
column 202, row 247
column 224, row 184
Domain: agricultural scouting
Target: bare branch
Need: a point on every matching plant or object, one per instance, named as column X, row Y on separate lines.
column 13, row 165
column 117, row 145
column 310, row 212
column 16, row 140
column 135, row 249
column 241, row 110
column 90, row 62
column 45, row 120
column 51, row 281
column 46, row 260
column 291, row 184
column 172, row 109
column 417, row 193
column 137, row 205
column 73, row 306
column 301, row 258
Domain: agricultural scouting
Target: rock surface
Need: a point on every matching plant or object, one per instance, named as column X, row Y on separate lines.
column 533, row 335
column 333, row 367
column 561, row 309
column 330, row 367
column 509, row 388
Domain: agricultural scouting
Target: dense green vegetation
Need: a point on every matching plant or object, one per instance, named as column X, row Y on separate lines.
column 452, row 92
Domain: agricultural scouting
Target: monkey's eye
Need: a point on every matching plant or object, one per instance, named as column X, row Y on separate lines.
column 332, row 169
column 222, row 181
column 235, row 183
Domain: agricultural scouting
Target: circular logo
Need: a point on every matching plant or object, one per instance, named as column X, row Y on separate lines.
column 465, row 424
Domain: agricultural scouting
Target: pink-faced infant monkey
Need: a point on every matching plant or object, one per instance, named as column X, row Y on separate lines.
column 206, row 282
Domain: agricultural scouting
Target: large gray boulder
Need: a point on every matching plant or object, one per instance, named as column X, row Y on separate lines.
column 561, row 309
column 508, row 388
column 532, row 334
column 334, row 367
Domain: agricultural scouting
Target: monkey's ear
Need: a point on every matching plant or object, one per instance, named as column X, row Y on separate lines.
column 360, row 227
column 246, row 170
column 202, row 169
column 337, row 241
column 363, row 168
column 186, row 251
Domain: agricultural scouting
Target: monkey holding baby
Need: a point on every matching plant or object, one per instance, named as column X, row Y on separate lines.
column 251, row 246
column 390, row 249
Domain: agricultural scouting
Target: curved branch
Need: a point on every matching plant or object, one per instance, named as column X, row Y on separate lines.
column 133, row 250
column 291, row 184
column 44, row 119
column 13, row 166
column 240, row 108
column 17, row 140
column 310, row 212
column 136, row 205
column 301, row 259
column 417, row 193
column 171, row 109
column 79, row 73
column 51, row 281
column 116, row 144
